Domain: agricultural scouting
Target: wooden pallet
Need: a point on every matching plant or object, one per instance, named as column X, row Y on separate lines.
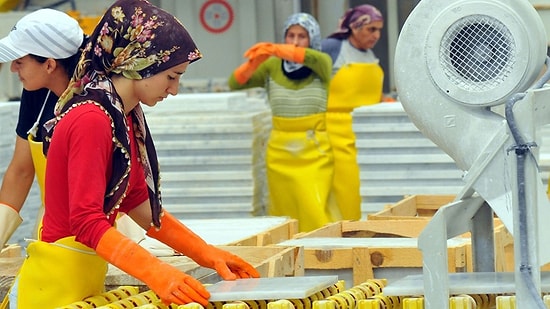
column 255, row 231
column 365, row 246
column 272, row 235
column 369, row 228
column 413, row 207
column 423, row 207
column 270, row 261
column 349, row 246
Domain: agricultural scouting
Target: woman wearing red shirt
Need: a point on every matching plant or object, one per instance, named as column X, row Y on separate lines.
column 101, row 161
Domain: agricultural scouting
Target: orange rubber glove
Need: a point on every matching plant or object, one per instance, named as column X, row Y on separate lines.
column 284, row 51
column 177, row 236
column 245, row 70
column 168, row 282
column 259, row 49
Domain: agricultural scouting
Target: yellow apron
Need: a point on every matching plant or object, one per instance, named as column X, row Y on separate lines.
column 59, row 273
column 353, row 85
column 39, row 161
column 299, row 171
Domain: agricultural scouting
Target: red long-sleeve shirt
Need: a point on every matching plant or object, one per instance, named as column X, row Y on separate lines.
column 78, row 168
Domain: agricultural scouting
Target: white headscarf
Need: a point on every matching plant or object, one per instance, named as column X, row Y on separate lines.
column 311, row 25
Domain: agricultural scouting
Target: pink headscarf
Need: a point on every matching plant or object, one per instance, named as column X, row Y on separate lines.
column 355, row 18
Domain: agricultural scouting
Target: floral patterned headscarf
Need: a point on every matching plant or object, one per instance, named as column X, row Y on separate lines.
column 354, row 18
column 137, row 40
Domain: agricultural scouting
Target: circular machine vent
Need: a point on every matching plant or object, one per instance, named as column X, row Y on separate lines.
column 481, row 58
column 477, row 53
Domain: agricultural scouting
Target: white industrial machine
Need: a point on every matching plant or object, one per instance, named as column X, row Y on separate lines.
column 471, row 76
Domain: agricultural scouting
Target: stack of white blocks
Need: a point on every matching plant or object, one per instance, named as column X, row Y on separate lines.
column 396, row 159
column 211, row 149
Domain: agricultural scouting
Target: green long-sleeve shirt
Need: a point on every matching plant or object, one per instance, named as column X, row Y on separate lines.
column 289, row 97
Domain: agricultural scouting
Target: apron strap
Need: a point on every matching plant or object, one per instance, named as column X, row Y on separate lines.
column 34, row 127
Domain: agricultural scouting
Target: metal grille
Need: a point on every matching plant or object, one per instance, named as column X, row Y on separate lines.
column 477, row 53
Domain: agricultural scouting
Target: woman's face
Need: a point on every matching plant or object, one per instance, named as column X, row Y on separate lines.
column 156, row 88
column 366, row 36
column 32, row 73
column 297, row 35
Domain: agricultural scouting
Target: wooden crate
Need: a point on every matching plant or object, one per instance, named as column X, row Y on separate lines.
column 348, row 246
column 272, row 235
column 413, row 207
column 423, row 207
column 364, row 256
column 270, row 261
column 250, row 231
column 247, row 237
column 505, row 248
column 254, row 231
column 369, row 228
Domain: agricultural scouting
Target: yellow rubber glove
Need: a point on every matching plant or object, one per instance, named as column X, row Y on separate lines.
column 168, row 282
column 177, row 236
column 284, row 51
column 9, row 221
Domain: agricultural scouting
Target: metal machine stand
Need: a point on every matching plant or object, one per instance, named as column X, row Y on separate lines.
column 471, row 212
column 456, row 62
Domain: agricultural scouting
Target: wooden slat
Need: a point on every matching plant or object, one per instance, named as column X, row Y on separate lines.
column 383, row 228
column 413, row 206
column 410, row 257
